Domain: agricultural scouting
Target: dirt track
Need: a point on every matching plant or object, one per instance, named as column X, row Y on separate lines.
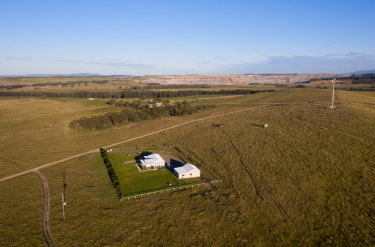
column 128, row 140
column 47, row 205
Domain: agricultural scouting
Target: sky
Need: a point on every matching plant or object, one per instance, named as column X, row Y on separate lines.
column 157, row 37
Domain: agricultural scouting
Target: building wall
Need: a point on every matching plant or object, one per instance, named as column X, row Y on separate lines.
column 155, row 164
column 194, row 174
column 159, row 164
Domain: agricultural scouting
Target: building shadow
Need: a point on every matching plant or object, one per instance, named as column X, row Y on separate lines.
column 141, row 155
column 176, row 163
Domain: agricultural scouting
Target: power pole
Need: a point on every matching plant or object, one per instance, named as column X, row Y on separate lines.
column 333, row 93
column 63, row 196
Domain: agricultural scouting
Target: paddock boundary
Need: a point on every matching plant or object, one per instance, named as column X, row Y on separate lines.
column 170, row 190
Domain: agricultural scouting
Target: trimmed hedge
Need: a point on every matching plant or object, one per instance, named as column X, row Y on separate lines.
column 111, row 172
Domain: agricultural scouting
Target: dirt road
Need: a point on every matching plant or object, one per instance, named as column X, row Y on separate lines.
column 47, row 205
column 128, row 140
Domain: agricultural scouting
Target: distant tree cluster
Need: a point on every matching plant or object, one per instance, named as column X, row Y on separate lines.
column 184, row 93
column 132, row 93
column 111, row 172
column 62, row 84
column 353, row 79
column 134, row 115
column 372, row 88
column 136, row 104
column 364, row 79
column 80, row 94
column 151, row 86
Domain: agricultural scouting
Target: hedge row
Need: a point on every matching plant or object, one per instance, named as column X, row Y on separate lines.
column 111, row 172
column 131, row 93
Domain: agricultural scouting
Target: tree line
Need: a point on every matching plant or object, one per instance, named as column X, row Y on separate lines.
column 63, row 84
column 184, row 93
column 130, row 114
column 372, row 88
column 151, row 86
column 131, row 93
column 111, row 172
column 364, row 79
column 353, row 79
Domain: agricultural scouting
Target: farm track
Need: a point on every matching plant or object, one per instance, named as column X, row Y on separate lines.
column 128, row 140
column 371, row 141
column 280, row 208
column 47, row 205
column 249, row 174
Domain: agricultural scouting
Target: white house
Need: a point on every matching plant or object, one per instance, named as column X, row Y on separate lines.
column 187, row 171
column 152, row 160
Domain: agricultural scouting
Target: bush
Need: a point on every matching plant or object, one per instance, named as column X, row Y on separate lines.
column 135, row 111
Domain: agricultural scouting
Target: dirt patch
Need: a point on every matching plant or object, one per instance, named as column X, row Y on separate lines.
column 172, row 159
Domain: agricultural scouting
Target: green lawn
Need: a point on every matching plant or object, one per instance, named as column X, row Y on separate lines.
column 106, row 194
column 132, row 181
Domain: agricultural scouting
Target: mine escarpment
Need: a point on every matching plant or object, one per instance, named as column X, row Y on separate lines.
column 237, row 79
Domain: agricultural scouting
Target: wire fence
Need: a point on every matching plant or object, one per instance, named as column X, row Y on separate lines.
column 136, row 148
column 169, row 190
column 190, row 155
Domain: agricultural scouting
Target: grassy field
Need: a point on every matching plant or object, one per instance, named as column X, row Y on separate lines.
column 308, row 179
column 39, row 129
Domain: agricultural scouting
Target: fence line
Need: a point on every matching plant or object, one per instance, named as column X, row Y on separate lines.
column 170, row 189
column 132, row 148
column 199, row 162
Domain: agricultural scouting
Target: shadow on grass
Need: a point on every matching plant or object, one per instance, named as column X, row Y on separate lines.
column 258, row 125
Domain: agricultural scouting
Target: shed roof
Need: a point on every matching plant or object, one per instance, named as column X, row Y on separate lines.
column 185, row 168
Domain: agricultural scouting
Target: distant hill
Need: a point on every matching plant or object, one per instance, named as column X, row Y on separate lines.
column 363, row 72
column 54, row 75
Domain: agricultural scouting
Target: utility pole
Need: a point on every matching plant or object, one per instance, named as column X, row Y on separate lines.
column 63, row 196
column 333, row 93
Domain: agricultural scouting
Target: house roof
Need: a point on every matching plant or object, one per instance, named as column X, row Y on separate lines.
column 185, row 168
column 152, row 158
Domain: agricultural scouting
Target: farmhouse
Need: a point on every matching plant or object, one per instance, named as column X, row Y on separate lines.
column 152, row 160
column 187, row 171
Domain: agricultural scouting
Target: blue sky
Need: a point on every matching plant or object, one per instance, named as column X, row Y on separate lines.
column 141, row 37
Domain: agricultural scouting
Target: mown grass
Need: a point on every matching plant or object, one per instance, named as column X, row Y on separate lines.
column 105, row 193
column 307, row 179
column 132, row 181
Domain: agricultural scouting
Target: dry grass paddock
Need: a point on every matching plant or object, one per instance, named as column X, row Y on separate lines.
column 307, row 179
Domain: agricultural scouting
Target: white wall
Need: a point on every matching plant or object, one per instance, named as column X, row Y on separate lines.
column 191, row 174
column 155, row 164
